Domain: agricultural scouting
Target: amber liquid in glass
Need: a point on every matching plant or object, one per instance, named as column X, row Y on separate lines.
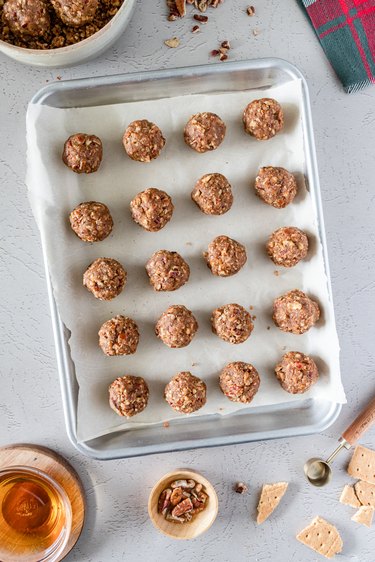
column 31, row 514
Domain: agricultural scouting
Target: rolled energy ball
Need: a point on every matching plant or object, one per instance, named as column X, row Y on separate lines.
column 276, row 186
column 27, row 17
column 105, row 278
column 167, row 271
column 232, row 323
column 177, row 326
column 91, row 221
column 295, row 312
column 287, row 246
column 263, row 118
column 119, row 336
column 225, row 256
column 185, row 393
column 143, row 141
column 75, row 12
column 128, row 395
column 152, row 209
column 213, row 194
column 83, row 153
column 239, row 382
column 296, row 372
column 204, row 132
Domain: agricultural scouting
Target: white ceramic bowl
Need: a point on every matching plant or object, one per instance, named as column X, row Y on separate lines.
column 79, row 52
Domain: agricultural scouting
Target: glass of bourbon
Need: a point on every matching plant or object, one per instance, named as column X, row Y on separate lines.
column 35, row 516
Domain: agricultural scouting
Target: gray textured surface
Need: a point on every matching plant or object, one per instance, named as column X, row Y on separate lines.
column 30, row 407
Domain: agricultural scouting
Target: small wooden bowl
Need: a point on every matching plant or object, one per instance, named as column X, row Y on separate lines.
column 199, row 524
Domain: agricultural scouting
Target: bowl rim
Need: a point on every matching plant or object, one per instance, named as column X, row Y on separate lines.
column 190, row 474
column 68, row 48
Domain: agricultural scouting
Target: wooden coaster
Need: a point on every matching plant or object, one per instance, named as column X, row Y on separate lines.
column 60, row 470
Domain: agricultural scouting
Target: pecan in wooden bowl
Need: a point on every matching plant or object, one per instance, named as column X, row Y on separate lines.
column 195, row 509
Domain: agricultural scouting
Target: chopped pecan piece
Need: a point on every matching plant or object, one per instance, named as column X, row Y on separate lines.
column 172, row 43
column 240, row 488
column 200, row 18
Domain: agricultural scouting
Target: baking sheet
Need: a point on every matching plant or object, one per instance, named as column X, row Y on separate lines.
column 54, row 191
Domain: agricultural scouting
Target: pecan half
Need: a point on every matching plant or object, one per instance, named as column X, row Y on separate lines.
column 183, row 484
column 183, row 507
column 164, row 500
column 176, row 496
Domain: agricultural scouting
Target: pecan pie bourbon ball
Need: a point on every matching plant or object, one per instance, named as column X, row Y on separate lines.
column 143, row 141
column 295, row 312
column 152, row 209
column 287, row 246
column 128, row 395
column 119, row 336
column 296, row 372
column 263, row 118
column 239, row 381
column 176, row 327
column 276, row 186
column 27, row 17
column 83, row 153
column 225, row 256
column 105, row 278
column 232, row 323
column 204, row 132
column 185, row 393
column 91, row 221
column 213, row 194
column 75, row 12
column 167, row 271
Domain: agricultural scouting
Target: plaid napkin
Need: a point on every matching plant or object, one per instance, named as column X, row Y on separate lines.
column 346, row 31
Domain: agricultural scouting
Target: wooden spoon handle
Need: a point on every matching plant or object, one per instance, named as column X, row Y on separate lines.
column 361, row 424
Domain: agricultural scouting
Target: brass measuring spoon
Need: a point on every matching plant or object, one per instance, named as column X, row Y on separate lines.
column 317, row 471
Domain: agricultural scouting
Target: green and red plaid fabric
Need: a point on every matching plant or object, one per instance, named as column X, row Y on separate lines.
column 346, row 31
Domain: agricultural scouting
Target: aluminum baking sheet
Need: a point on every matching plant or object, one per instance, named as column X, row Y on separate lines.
column 212, row 80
